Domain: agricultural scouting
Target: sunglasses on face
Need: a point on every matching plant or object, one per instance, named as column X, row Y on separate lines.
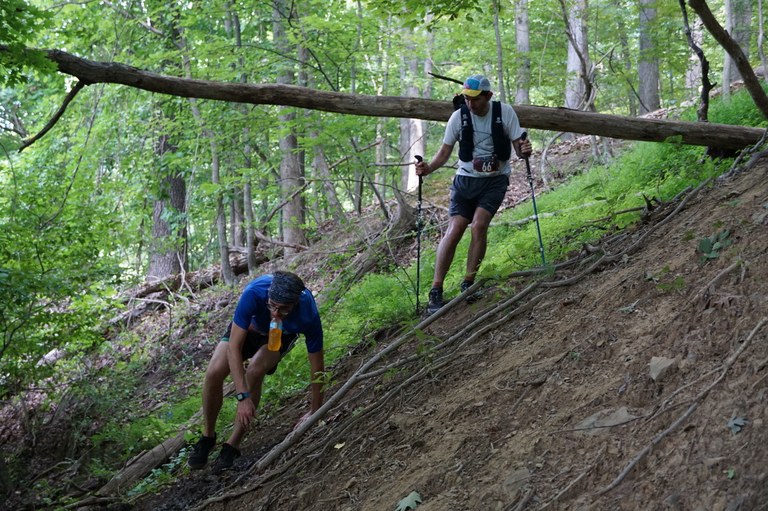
column 281, row 309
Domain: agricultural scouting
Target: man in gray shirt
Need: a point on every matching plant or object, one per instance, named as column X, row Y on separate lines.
column 486, row 132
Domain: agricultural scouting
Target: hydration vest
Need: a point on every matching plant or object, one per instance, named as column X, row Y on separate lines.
column 502, row 146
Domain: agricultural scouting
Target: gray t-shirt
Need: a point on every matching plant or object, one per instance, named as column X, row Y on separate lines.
column 483, row 140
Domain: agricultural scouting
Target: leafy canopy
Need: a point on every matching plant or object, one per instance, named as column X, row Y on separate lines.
column 19, row 23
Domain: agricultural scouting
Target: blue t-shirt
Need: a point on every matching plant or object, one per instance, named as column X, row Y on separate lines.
column 303, row 319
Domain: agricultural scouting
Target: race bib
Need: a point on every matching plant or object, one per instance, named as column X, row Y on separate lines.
column 486, row 164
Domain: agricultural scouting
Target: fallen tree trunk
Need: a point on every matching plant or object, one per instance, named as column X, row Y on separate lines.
column 722, row 136
column 143, row 465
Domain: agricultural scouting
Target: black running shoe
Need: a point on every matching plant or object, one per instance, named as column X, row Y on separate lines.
column 199, row 457
column 435, row 300
column 474, row 297
column 226, row 459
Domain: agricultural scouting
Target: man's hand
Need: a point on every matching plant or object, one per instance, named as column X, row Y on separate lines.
column 525, row 148
column 422, row 168
column 245, row 412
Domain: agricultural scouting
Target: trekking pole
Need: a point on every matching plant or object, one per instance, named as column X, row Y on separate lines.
column 535, row 211
column 418, row 241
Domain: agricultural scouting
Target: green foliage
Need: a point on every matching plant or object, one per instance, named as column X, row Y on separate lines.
column 19, row 22
column 710, row 246
column 160, row 476
column 739, row 109
column 677, row 284
column 411, row 501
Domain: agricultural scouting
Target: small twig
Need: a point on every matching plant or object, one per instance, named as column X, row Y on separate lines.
column 446, row 78
column 48, row 471
column 663, row 406
column 759, row 381
column 617, row 213
column 90, row 501
column 524, row 501
column 577, row 480
column 666, row 219
column 749, row 150
column 710, row 286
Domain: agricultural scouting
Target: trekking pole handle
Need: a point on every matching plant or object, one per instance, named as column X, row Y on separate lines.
column 527, row 163
column 419, row 159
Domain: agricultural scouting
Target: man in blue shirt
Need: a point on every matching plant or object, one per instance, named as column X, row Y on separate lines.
column 280, row 296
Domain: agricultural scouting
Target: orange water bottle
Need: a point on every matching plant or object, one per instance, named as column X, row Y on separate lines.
column 275, row 335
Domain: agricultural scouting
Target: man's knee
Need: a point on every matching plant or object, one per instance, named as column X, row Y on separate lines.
column 256, row 370
column 216, row 374
column 218, row 367
column 456, row 227
column 480, row 229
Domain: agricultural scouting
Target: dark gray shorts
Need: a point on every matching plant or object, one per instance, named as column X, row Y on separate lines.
column 470, row 193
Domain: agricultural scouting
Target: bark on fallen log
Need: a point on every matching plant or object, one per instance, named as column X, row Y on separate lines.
column 143, row 465
column 722, row 136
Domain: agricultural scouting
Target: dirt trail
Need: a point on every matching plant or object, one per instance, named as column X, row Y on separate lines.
column 547, row 409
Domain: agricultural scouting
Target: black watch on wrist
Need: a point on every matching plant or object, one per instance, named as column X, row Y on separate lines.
column 241, row 396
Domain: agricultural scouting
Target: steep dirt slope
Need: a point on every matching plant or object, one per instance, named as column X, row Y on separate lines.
column 554, row 406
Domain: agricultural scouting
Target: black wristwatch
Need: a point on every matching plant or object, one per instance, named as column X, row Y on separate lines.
column 242, row 396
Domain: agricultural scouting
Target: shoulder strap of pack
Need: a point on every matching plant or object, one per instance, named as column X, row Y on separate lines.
column 502, row 146
column 466, row 135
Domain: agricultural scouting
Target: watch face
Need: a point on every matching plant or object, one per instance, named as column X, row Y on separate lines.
column 241, row 396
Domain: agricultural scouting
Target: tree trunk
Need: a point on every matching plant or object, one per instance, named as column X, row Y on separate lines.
column 227, row 274
column 761, row 40
column 236, row 215
column 411, row 130
column 706, row 85
column 734, row 50
column 738, row 23
column 523, row 47
column 693, row 74
column 499, row 54
column 324, row 174
column 648, row 63
column 291, row 178
column 167, row 248
column 625, row 57
column 578, row 51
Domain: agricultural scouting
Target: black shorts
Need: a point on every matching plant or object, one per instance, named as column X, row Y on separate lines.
column 470, row 193
column 255, row 340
